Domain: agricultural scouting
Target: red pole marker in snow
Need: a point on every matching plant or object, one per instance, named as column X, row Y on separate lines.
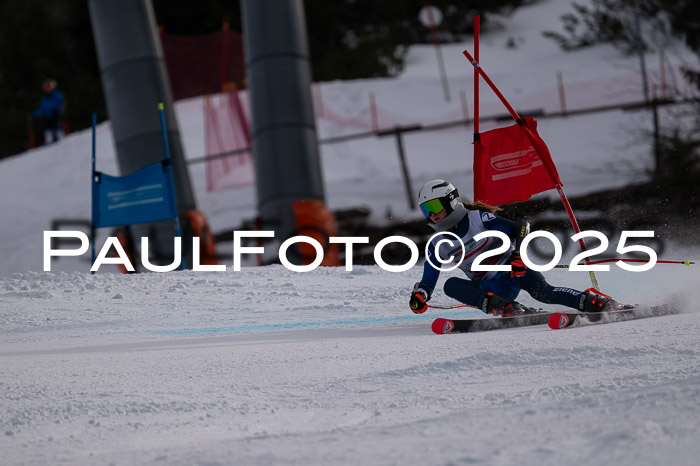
column 465, row 107
column 562, row 96
column 373, row 112
column 431, row 17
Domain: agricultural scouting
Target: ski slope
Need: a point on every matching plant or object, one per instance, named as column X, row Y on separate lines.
column 268, row 366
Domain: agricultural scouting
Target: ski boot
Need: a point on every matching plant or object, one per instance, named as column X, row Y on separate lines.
column 494, row 304
column 595, row 301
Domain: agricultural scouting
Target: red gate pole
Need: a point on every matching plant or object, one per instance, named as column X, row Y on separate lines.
column 476, row 79
column 535, row 144
column 476, row 164
column 478, row 71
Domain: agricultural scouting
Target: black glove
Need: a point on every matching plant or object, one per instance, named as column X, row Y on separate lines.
column 518, row 267
column 419, row 298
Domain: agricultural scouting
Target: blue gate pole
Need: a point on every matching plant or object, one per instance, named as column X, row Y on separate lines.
column 92, row 191
column 172, row 182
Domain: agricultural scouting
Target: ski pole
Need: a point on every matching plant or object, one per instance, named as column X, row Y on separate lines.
column 683, row 262
column 451, row 306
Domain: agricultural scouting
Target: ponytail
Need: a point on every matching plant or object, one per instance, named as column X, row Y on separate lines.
column 478, row 205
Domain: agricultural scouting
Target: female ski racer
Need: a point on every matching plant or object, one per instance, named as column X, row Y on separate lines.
column 493, row 292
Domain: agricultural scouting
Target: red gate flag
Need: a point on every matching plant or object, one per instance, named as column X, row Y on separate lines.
column 511, row 164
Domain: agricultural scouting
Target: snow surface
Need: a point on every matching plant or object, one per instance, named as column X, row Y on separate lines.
column 267, row 366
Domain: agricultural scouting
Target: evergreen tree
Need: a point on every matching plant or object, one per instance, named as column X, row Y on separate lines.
column 40, row 40
column 619, row 22
column 348, row 39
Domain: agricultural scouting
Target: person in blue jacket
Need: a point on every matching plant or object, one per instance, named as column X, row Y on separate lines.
column 51, row 108
column 494, row 292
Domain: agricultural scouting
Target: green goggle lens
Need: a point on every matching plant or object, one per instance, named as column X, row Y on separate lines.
column 433, row 206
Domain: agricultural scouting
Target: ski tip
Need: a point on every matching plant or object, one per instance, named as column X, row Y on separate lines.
column 442, row 326
column 557, row 320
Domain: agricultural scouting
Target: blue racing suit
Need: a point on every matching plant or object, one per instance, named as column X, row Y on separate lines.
column 473, row 290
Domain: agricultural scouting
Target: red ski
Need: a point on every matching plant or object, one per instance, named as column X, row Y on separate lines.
column 442, row 326
column 559, row 320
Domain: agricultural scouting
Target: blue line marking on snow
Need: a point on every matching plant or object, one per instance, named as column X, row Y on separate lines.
column 318, row 324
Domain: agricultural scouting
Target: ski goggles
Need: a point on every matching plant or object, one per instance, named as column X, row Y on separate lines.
column 433, row 206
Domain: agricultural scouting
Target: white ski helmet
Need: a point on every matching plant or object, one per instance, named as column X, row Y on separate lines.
column 440, row 190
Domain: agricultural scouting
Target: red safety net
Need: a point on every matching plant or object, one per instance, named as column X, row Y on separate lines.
column 207, row 64
column 227, row 130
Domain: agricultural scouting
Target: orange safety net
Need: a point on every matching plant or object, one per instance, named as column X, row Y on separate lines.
column 312, row 218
